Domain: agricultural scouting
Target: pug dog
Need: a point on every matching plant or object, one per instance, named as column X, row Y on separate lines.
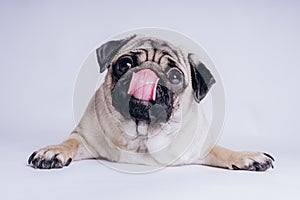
column 148, row 112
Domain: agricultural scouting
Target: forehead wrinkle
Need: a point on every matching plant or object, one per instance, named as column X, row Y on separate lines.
column 149, row 44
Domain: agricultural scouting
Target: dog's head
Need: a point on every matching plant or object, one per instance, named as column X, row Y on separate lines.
column 147, row 77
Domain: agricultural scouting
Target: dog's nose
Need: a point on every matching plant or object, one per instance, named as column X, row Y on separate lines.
column 143, row 85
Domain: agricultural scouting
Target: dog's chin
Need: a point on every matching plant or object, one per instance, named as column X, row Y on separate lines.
column 146, row 111
column 139, row 109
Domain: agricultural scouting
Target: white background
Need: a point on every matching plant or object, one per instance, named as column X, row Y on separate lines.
column 255, row 46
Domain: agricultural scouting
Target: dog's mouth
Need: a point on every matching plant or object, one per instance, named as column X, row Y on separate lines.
column 143, row 85
column 152, row 111
column 143, row 97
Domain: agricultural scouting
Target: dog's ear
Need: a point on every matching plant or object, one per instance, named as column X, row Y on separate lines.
column 107, row 51
column 202, row 79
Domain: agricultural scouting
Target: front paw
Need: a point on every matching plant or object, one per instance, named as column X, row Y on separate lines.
column 56, row 156
column 253, row 161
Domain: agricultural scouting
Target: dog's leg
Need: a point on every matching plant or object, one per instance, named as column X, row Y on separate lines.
column 58, row 156
column 225, row 158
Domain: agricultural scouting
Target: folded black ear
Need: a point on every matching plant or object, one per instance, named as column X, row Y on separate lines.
column 202, row 79
column 107, row 51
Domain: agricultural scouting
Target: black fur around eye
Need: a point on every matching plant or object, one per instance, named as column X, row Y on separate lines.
column 122, row 66
column 175, row 76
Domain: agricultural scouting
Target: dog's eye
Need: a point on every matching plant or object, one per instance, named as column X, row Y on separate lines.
column 123, row 64
column 175, row 76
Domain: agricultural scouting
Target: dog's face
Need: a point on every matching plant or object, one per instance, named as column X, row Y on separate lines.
column 147, row 77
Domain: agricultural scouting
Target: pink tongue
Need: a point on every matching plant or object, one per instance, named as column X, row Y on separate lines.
column 143, row 85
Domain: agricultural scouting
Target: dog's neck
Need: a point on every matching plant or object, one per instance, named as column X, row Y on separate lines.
column 130, row 135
